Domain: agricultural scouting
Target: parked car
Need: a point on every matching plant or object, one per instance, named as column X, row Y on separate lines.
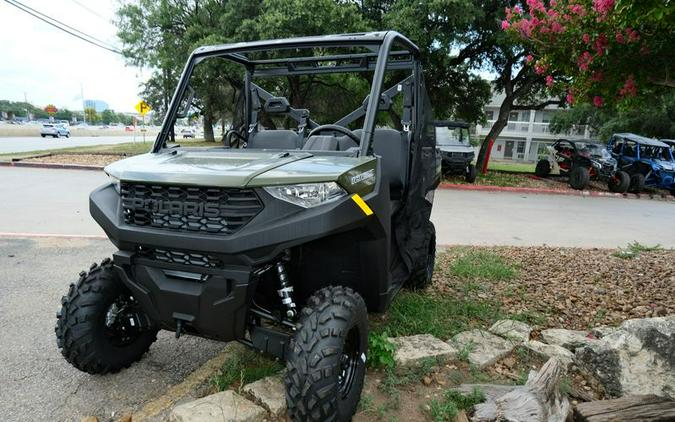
column 649, row 162
column 583, row 161
column 457, row 154
column 188, row 132
column 55, row 130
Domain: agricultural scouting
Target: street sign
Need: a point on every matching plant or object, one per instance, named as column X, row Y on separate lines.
column 142, row 107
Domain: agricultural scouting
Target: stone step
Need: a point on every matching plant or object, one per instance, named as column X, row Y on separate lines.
column 412, row 350
column 269, row 393
column 512, row 330
column 483, row 347
column 226, row 406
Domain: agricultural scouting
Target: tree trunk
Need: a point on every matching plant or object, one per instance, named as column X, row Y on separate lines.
column 495, row 130
column 208, row 127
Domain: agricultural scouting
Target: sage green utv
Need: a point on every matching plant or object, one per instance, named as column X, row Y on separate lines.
column 285, row 236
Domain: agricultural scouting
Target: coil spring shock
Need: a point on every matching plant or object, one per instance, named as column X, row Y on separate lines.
column 285, row 288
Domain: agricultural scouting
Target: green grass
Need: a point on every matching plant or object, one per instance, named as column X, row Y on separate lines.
column 417, row 313
column 128, row 148
column 447, row 408
column 634, row 249
column 479, row 264
column 243, row 367
column 513, row 167
column 500, row 179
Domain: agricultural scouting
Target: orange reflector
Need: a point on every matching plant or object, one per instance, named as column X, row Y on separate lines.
column 362, row 204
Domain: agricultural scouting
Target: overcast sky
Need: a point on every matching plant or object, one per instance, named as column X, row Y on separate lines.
column 48, row 65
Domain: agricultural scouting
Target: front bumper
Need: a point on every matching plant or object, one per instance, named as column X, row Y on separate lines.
column 456, row 162
column 210, row 291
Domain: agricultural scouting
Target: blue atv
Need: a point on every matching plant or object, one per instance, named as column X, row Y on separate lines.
column 649, row 162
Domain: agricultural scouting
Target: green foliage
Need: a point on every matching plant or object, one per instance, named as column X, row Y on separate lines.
column 634, row 249
column 447, row 409
column 21, row 109
column 610, row 51
column 380, row 351
column 243, row 367
column 478, row 264
column 653, row 118
column 91, row 116
column 418, row 313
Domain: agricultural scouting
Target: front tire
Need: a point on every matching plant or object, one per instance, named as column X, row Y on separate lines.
column 93, row 328
column 543, row 169
column 470, row 174
column 619, row 182
column 579, row 177
column 326, row 365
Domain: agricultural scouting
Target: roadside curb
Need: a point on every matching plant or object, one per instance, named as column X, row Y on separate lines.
column 543, row 191
column 50, row 166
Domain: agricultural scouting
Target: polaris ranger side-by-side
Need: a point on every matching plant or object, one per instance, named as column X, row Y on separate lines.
column 282, row 238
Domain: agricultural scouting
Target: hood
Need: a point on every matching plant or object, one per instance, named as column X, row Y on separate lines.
column 457, row 147
column 233, row 168
column 667, row 165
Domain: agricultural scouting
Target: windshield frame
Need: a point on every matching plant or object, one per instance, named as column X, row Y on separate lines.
column 380, row 44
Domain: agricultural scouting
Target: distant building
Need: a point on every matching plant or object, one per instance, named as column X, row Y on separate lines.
column 527, row 133
column 97, row 105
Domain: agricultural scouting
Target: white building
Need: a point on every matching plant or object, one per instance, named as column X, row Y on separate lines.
column 527, row 133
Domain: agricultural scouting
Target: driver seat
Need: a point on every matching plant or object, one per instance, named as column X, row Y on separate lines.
column 329, row 143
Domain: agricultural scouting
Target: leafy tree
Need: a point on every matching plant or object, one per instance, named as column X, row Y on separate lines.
column 64, row 114
column 108, row 116
column 600, row 51
column 91, row 116
column 655, row 118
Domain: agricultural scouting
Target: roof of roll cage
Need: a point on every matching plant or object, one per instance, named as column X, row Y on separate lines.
column 642, row 140
column 234, row 50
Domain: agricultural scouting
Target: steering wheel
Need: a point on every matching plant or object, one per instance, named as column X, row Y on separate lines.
column 343, row 130
column 227, row 139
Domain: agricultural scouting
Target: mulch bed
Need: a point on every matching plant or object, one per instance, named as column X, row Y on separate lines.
column 100, row 160
column 570, row 287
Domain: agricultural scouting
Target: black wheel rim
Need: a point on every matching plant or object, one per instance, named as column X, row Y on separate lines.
column 349, row 362
column 119, row 328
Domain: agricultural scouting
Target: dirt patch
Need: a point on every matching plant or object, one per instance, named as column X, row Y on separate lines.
column 570, row 287
column 99, row 160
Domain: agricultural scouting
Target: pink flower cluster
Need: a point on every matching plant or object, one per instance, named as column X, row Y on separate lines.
column 629, row 88
column 584, row 61
column 540, row 68
column 602, row 7
column 549, row 81
column 597, row 101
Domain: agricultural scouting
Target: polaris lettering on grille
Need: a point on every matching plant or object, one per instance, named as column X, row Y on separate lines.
column 184, row 208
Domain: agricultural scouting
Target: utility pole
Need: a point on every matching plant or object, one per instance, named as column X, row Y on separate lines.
column 84, row 109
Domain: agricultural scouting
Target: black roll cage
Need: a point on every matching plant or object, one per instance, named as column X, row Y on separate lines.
column 377, row 60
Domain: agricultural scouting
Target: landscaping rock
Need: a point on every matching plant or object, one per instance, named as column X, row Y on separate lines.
column 411, row 350
column 551, row 350
column 569, row 339
column 637, row 358
column 226, row 406
column 512, row 330
column 268, row 392
column 484, row 348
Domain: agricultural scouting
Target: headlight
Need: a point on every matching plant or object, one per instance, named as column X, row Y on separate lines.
column 115, row 182
column 308, row 195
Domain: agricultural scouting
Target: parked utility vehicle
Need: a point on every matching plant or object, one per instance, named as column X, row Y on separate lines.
column 648, row 161
column 457, row 154
column 282, row 239
column 583, row 161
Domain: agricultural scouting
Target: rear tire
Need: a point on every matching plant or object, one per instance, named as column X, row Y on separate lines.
column 89, row 337
column 43, row 135
column 637, row 183
column 619, row 183
column 327, row 357
column 579, row 177
column 422, row 278
column 543, row 169
column 470, row 173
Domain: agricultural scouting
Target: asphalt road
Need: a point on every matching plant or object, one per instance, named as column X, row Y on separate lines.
column 37, row 383
column 37, row 143
column 47, row 201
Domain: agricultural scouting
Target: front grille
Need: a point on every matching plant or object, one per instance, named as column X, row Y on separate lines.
column 177, row 257
column 189, row 209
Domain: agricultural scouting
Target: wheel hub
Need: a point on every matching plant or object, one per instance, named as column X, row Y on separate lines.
column 349, row 362
column 121, row 323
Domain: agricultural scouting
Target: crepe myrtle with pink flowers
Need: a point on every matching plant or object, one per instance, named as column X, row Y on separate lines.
column 598, row 51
